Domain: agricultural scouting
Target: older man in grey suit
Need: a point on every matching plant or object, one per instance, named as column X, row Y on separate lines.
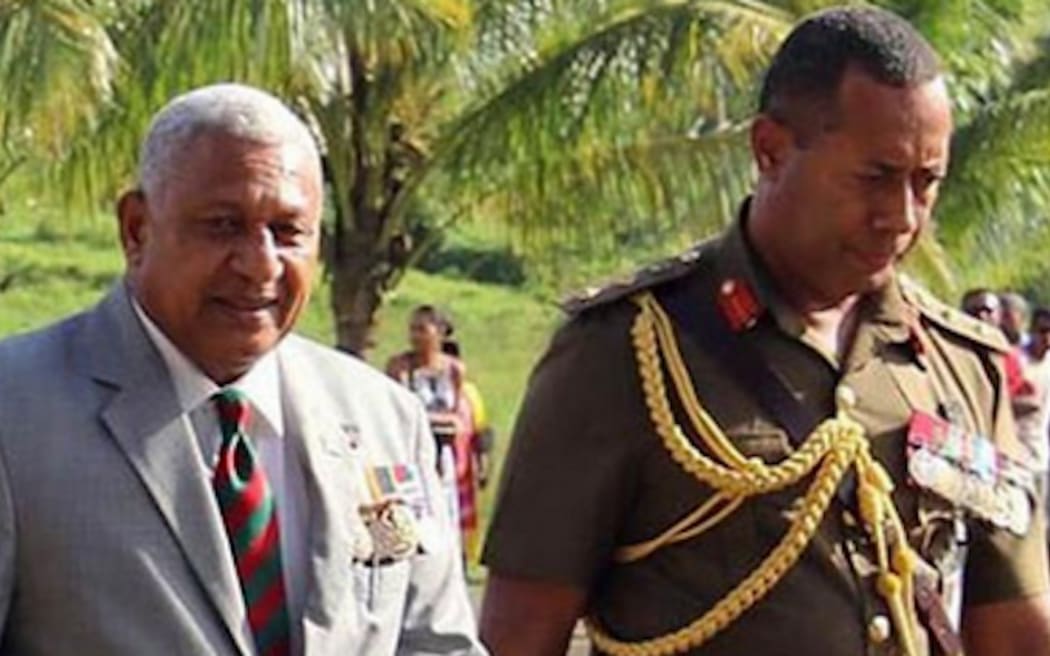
column 181, row 475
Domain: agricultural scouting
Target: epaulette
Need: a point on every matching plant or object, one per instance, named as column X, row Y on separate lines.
column 645, row 278
column 951, row 319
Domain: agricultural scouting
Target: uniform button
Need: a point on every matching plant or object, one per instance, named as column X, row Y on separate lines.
column 879, row 629
column 845, row 397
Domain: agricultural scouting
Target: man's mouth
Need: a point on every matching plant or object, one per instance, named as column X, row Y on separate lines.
column 875, row 260
column 247, row 305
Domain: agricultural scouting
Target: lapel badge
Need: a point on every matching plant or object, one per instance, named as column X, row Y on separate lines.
column 352, row 434
column 738, row 304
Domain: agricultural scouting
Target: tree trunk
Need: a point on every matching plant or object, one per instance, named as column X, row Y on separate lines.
column 357, row 292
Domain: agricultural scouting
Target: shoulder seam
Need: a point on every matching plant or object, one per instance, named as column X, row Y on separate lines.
column 951, row 319
column 642, row 279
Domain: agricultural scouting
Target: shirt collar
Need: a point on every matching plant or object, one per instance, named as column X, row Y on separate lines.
column 193, row 388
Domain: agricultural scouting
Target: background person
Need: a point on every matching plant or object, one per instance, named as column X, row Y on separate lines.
column 437, row 378
column 472, row 451
column 986, row 306
column 1015, row 318
column 178, row 472
column 1033, row 426
column 433, row 375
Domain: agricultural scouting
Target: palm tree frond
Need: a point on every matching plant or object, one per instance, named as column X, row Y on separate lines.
column 58, row 67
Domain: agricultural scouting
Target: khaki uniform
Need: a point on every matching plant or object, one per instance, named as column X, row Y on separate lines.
column 587, row 473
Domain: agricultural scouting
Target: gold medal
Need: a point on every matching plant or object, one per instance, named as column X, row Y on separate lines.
column 393, row 530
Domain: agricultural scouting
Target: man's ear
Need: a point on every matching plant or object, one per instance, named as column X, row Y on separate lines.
column 770, row 142
column 133, row 216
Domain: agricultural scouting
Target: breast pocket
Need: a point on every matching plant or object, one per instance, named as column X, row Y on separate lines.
column 381, row 589
column 769, row 444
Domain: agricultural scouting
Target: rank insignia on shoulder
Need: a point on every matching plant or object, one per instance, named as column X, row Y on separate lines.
column 968, row 470
column 627, row 286
column 951, row 319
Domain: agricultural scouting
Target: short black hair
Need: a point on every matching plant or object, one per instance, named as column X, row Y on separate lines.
column 804, row 78
column 434, row 316
column 1041, row 313
column 978, row 296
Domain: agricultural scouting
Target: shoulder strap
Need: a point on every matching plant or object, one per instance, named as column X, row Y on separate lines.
column 648, row 277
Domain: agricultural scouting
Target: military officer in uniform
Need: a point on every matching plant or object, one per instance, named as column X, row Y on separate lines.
column 776, row 443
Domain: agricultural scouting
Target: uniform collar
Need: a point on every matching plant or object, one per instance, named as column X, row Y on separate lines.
column 193, row 388
column 885, row 309
column 738, row 261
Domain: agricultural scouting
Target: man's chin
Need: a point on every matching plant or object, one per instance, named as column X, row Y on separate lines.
column 879, row 279
column 233, row 358
column 835, row 295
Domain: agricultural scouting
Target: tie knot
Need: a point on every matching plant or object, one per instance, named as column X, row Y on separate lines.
column 234, row 410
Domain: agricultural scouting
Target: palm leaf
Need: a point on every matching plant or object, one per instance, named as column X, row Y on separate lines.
column 58, row 66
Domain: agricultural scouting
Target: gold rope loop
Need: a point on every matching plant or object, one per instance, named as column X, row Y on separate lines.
column 834, row 446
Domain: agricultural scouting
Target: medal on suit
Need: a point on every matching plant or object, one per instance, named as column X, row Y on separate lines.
column 393, row 531
column 398, row 503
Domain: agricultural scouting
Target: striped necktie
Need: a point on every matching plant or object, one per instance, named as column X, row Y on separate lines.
column 250, row 516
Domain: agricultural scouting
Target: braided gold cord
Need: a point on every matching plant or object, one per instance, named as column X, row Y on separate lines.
column 692, row 525
column 652, row 333
column 753, row 588
column 835, row 446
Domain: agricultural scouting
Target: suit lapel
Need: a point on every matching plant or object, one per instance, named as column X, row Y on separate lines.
column 331, row 466
column 158, row 441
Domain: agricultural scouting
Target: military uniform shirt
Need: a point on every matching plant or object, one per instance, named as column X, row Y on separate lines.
column 586, row 472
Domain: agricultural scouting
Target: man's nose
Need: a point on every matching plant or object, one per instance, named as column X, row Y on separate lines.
column 257, row 257
column 901, row 211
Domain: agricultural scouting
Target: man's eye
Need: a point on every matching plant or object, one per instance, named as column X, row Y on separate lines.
column 871, row 177
column 223, row 225
column 286, row 232
column 927, row 180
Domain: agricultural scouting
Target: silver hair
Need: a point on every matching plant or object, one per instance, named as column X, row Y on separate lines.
column 235, row 110
column 1015, row 302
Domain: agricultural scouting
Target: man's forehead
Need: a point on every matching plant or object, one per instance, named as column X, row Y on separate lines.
column 227, row 158
column 289, row 151
column 862, row 96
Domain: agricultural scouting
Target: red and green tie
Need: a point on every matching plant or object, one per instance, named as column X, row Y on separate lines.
column 250, row 516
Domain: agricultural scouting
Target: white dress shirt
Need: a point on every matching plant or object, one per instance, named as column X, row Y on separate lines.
column 276, row 449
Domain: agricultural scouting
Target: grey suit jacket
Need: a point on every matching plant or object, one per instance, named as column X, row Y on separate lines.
column 110, row 538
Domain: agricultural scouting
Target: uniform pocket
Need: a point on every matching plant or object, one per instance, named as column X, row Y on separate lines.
column 771, row 445
column 381, row 588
